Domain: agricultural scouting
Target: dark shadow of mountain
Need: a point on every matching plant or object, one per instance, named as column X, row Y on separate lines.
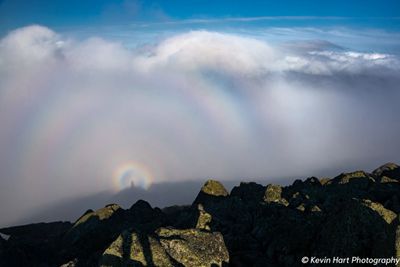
column 68, row 209
column 158, row 195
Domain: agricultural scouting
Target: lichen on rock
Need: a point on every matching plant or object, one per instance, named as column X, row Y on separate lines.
column 204, row 219
column 135, row 249
column 386, row 214
column 214, row 188
column 193, row 247
column 273, row 194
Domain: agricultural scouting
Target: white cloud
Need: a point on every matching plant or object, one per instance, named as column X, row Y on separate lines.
column 198, row 104
column 196, row 51
column 96, row 54
column 27, row 46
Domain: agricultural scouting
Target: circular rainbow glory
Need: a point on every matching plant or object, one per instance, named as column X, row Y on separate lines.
column 132, row 174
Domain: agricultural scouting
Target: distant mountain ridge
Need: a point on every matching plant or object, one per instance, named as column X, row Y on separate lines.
column 352, row 214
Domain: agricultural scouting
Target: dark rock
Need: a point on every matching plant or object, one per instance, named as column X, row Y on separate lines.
column 72, row 263
column 389, row 170
column 141, row 213
column 273, row 194
column 166, row 247
column 204, row 219
column 251, row 192
column 193, row 247
column 211, row 192
column 355, row 228
column 135, row 249
column 96, row 230
column 312, row 181
column 385, row 214
column 360, row 178
column 397, row 242
column 141, row 206
column 324, row 181
column 214, row 188
column 352, row 214
column 30, row 245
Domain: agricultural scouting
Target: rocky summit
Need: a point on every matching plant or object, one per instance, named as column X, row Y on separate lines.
column 352, row 214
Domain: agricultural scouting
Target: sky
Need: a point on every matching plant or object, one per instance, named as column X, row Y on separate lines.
column 103, row 95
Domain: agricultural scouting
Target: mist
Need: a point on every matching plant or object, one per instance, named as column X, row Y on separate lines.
column 81, row 116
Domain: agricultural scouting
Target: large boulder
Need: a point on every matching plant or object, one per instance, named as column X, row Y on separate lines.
column 249, row 192
column 101, row 225
column 355, row 227
column 33, row 244
column 135, row 249
column 193, row 247
column 273, row 194
column 95, row 230
column 204, row 218
column 386, row 214
column 212, row 191
column 96, row 227
column 167, row 247
column 144, row 216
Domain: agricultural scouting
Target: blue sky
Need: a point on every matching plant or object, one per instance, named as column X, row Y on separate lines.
column 351, row 24
column 57, row 13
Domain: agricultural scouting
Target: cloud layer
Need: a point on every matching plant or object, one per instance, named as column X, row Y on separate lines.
column 80, row 116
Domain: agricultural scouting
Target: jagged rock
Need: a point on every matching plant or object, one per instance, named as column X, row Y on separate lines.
column 101, row 214
column 390, row 170
column 33, row 244
column 96, row 230
column 135, row 249
column 193, row 247
column 204, row 220
column 72, row 263
column 297, row 199
column 312, row 181
column 142, row 213
column 273, row 194
column 301, row 207
column 95, row 226
column 284, row 234
column 167, row 247
column 4, row 237
column 181, row 216
column 353, row 228
column 85, row 214
column 210, row 192
column 393, row 204
column 214, row 188
column 141, row 206
column 386, row 214
column 315, row 208
column 249, row 192
column 357, row 176
column 324, row 180
column 385, row 179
